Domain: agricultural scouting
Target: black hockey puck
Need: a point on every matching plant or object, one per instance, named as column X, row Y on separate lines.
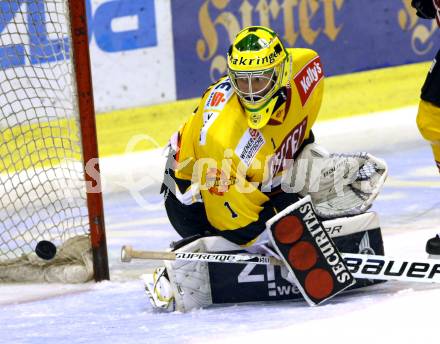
column 45, row 250
column 433, row 246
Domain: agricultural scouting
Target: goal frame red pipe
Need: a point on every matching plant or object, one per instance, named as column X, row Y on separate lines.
column 81, row 62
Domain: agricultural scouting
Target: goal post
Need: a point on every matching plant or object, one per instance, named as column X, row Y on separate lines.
column 50, row 187
column 81, row 58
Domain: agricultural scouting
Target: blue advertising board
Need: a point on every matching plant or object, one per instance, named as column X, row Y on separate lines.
column 350, row 35
column 109, row 40
column 43, row 49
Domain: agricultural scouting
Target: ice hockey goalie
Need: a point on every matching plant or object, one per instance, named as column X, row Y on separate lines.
column 245, row 174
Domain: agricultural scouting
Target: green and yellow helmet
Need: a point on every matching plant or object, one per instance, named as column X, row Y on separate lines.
column 256, row 62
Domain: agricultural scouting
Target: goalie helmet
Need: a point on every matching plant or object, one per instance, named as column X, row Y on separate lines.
column 256, row 68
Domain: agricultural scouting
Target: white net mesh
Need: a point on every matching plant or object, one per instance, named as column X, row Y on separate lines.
column 42, row 189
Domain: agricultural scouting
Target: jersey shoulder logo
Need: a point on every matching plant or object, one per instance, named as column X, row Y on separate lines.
column 219, row 96
column 215, row 102
column 307, row 78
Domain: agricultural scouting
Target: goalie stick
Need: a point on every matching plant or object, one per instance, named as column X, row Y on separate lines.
column 360, row 265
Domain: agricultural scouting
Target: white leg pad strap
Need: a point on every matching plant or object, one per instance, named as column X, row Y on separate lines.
column 349, row 225
column 338, row 227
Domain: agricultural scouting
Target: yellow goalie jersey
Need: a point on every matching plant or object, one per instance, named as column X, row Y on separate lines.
column 234, row 168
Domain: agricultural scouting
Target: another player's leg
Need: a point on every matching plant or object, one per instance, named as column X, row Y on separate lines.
column 428, row 117
column 428, row 121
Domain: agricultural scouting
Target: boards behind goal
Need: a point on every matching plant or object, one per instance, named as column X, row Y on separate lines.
column 48, row 134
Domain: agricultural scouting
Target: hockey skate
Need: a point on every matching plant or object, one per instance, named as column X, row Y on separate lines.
column 159, row 291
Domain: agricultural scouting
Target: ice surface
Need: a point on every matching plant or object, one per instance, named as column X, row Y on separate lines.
column 118, row 311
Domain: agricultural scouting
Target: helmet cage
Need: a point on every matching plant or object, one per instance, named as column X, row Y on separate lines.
column 250, row 96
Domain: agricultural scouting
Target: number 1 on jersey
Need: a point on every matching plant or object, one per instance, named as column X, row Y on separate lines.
column 233, row 213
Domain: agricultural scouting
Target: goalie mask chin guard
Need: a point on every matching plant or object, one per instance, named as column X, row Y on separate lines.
column 256, row 68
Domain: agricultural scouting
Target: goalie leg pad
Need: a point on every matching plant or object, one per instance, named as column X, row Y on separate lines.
column 238, row 283
column 185, row 285
column 309, row 253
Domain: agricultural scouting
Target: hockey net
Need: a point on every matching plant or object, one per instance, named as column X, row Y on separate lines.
column 42, row 184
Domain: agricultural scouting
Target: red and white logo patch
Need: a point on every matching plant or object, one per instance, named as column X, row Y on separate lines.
column 216, row 99
column 437, row 10
column 307, row 79
column 219, row 96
